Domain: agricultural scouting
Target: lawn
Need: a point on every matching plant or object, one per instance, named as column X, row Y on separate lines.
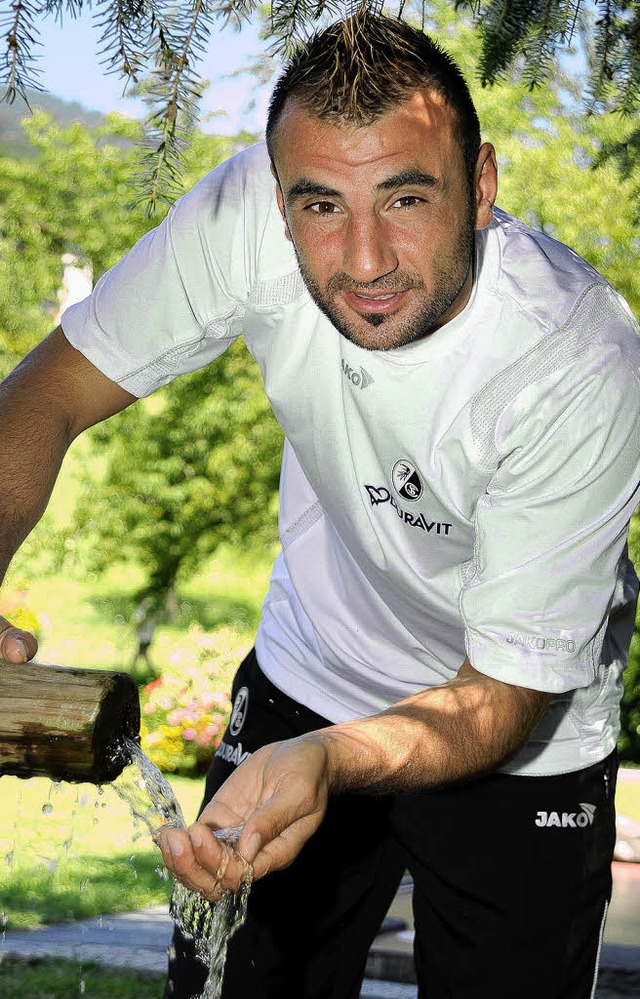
column 74, row 851
column 55, row 978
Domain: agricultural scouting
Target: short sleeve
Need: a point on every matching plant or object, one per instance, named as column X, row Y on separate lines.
column 176, row 300
column 550, row 530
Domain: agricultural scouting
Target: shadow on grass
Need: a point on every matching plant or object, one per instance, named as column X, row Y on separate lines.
column 81, row 887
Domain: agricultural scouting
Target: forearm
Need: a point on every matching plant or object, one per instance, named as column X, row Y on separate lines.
column 36, row 432
column 279, row 794
column 463, row 728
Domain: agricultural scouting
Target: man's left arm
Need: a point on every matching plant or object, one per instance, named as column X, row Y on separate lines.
column 450, row 733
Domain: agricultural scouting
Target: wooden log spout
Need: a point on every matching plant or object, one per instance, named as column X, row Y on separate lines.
column 66, row 723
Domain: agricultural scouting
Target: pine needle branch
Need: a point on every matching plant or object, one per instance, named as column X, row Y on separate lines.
column 553, row 24
column 173, row 97
column 294, row 20
column 533, row 29
column 125, row 27
column 19, row 72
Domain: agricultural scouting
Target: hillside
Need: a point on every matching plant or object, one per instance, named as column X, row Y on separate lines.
column 12, row 137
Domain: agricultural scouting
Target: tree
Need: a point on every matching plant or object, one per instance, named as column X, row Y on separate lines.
column 163, row 41
column 194, row 467
column 197, row 464
column 70, row 199
column 73, row 197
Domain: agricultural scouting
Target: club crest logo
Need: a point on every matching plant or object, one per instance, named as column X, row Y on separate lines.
column 406, row 481
column 239, row 712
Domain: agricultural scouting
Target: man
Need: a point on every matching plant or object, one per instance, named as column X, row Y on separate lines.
column 436, row 677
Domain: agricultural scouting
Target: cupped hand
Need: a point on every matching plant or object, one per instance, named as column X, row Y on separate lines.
column 279, row 797
column 16, row 645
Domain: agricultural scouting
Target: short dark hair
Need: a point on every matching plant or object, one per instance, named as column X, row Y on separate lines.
column 359, row 68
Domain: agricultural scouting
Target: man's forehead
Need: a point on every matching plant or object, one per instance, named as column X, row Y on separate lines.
column 424, row 121
column 425, row 103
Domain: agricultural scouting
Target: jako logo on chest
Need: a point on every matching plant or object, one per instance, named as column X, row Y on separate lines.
column 358, row 377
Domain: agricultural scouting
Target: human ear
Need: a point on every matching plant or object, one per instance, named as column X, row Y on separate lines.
column 486, row 185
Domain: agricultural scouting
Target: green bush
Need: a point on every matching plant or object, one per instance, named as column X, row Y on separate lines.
column 629, row 741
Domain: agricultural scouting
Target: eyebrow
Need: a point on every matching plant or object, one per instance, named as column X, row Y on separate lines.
column 410, row 177
column 304, row 187
column 407, row 178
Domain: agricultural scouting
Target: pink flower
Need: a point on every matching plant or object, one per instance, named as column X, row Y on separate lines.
column 190, row 734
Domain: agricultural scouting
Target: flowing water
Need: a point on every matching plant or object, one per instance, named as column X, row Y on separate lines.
column 151, row 799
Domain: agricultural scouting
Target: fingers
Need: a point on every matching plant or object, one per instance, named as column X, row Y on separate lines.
column 279, row 797
column 201, row 862
column 229, row 868
column 16, row 646
column 179, row 857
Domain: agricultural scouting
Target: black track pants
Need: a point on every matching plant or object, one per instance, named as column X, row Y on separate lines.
column 512, row 879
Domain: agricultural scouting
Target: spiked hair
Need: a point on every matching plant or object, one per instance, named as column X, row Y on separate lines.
column 358, row 69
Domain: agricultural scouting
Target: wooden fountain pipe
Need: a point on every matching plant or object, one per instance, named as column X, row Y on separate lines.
column 66, row 723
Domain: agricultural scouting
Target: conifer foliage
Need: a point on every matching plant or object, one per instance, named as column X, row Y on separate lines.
column 536, row 30
column 156, row 44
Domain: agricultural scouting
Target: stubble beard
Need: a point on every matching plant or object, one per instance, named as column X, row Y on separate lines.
column 449, row 278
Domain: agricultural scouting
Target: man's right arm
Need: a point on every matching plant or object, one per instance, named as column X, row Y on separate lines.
column 53, row 395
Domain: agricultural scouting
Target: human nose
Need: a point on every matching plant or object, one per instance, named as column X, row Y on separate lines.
column 369, row 254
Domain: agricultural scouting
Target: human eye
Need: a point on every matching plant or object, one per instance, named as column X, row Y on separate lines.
column 323, row 208
column 406, row 201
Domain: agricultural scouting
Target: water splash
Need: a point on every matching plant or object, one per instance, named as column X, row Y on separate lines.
column 147, row 792
column 210, row 924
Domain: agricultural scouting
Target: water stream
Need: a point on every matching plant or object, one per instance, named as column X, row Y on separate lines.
column 151, row 799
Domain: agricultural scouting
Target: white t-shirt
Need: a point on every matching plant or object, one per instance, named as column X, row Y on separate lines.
column 467, row 494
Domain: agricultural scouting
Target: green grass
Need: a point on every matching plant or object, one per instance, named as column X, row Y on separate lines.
column 85, row 857
column 88, row 622
column 55, row 978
